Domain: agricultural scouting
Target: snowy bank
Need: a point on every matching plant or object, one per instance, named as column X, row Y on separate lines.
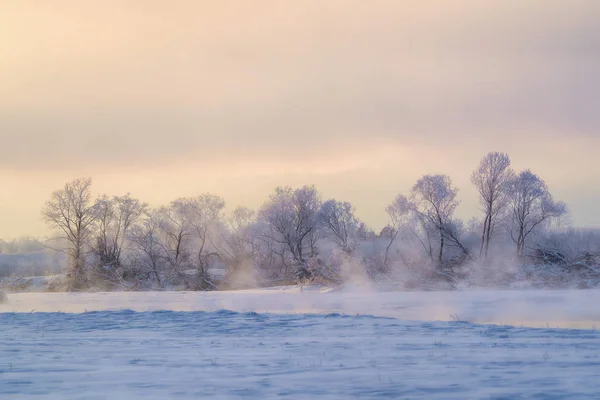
column 44, row 283
column 533, row 308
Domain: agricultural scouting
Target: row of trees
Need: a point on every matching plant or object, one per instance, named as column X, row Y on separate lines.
column 21, row 246
column 295, row 234
column 516, row 203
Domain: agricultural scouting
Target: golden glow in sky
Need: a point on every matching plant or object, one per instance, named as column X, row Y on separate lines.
column 167, row 99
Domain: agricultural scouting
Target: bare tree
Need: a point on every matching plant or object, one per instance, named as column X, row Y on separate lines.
column 292, row 217
column 339, row 222
column 238, row 240
column 364, row 232
column 399, row 212
column 241, row 218
column 203, row 213
column 184, row 228
column 272, row 253
column 115, row 218
column 239, row 245
column 145, row 236
column 70, row 212
column 530, row 204
column 491, row 179
column 434, row 199
column 174, row 238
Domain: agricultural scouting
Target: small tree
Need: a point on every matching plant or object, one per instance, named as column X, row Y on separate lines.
column 70, row 213
column 399, row 211
column 530, row 204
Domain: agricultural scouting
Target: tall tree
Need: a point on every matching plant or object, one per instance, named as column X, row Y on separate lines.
column 491, row 179
column 70, row 212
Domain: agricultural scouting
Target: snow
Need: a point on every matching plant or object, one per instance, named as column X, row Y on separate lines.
column 33, row 283
column 300, row 344
column 533, row 308
column 159, row 355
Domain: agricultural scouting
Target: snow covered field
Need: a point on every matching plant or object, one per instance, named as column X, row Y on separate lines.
column 282, row 351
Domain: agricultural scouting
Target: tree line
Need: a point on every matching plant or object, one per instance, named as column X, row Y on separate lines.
column 296, row 235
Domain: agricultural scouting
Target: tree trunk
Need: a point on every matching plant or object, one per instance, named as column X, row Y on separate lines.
column 441, row 254
column 76, row 275
column 521, row 243
column 483, row 235
column 388, row 247
column 488, row 237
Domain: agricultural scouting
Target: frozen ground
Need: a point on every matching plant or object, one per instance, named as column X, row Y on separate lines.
column 163, row 355
column 154, row 354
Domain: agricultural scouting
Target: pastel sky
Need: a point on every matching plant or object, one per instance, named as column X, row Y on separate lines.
column 174, row 98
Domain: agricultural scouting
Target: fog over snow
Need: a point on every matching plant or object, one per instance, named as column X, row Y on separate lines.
column 531, row 308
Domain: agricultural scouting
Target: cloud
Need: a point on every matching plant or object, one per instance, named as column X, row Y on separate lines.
column 236, row 97
column 148, row 83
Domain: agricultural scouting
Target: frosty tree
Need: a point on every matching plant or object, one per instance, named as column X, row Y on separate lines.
column 184, row 233
column 530, row 204
column 338, row 221
column 400, row 211
column 174, row 237
column 292, row 216
column 491, row 179
column 146, row 238
column 70, row 213
column 434, row 201
column 430, row 208
column 203, row 213
column 238, row 245
column 115, row 218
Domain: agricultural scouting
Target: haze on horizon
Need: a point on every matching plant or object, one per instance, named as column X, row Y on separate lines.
column 169, row 99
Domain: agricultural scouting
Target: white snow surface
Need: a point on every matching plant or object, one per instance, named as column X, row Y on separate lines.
column 283, row 342
column 532, row 308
